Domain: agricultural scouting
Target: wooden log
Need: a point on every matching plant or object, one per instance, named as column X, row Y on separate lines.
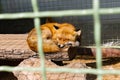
column 106, row 52
column 14, row 46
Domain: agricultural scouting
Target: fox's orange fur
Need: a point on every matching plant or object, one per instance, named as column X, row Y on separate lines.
column 56, row 37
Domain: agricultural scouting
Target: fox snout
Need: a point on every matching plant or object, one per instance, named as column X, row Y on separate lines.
column 66, row 45
column 61, row 45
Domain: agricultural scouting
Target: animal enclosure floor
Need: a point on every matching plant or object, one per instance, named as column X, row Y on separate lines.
column 20, row 50
column 108, row 63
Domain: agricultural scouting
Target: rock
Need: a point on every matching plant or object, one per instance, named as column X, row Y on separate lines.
column 35, row 62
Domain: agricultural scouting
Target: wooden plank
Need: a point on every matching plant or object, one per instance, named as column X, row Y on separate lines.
column 14, row 46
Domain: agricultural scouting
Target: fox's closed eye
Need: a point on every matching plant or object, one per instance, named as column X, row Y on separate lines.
column 56, row 27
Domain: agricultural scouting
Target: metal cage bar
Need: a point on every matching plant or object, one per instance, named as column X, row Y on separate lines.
column 40, row 50
column 97, row 36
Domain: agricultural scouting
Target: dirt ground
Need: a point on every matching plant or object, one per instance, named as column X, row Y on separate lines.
column 108, row 63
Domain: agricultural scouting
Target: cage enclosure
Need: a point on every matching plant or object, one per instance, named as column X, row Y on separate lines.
column 14, row 31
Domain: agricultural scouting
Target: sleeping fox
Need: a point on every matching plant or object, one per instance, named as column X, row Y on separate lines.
column 56, row 37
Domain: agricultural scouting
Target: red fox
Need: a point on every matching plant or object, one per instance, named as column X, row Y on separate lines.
column 55, row 36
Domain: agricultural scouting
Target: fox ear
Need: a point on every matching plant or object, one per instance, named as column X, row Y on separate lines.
column 49, row 20
column 79, row 32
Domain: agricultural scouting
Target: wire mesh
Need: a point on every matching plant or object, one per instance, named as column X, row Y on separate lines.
column 96, row 11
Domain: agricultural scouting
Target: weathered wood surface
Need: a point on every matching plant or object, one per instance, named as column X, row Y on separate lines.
column 14, row 46
column 106, row 52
